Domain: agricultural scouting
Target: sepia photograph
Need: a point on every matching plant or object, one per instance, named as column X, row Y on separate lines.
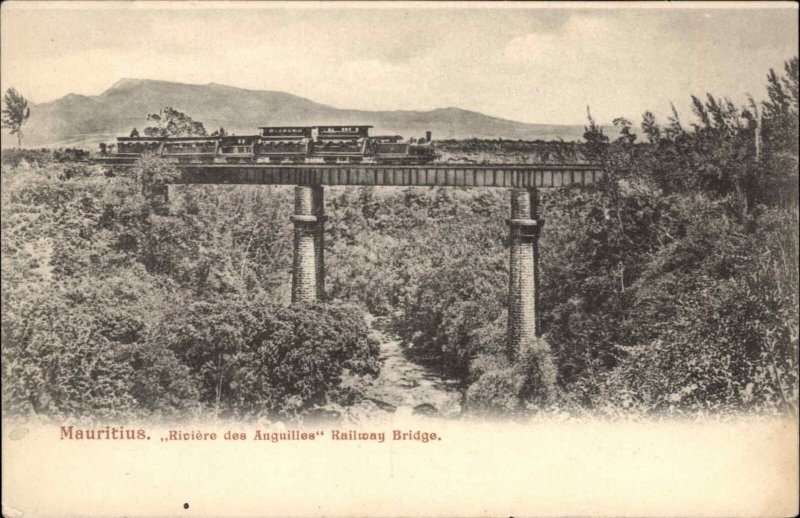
column 399, row 258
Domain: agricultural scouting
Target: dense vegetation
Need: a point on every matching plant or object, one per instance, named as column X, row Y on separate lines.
column 477, row 151
column 670, row 287
column 114, row 307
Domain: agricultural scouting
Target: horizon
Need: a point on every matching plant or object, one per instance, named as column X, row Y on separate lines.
column 537, row 64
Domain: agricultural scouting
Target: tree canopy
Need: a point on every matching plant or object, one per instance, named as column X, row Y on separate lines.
column 169, row 122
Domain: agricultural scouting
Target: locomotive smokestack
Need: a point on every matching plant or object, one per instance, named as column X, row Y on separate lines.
column 428, row 136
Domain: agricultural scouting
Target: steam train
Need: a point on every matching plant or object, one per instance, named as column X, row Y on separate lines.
column 284, row 145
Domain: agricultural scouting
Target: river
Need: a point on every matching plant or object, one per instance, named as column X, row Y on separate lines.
column 404, row 387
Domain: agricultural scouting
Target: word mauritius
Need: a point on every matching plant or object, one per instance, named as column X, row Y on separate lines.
column 121, row 433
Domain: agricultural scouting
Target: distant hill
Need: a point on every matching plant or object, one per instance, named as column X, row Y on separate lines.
column 87, row 120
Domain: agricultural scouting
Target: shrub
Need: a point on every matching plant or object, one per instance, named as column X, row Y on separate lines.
column 70, row 155
column 496, row 392
column 77, row 349
column 31, row 157
column 724, row 351
column 512, row 386
column 252, row 357
column 535, row 363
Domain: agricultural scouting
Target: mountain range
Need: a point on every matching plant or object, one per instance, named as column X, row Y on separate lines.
column 80, row 120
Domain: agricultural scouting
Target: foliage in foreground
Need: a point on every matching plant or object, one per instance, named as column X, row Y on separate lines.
column 114, row 307
column 257, row 358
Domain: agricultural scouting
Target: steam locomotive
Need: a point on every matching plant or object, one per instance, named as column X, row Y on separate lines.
column 284, row 145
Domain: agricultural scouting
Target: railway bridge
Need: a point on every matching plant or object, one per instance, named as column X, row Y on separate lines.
column 308, row 219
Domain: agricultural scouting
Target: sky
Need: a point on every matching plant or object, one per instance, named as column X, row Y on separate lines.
column 539, row 63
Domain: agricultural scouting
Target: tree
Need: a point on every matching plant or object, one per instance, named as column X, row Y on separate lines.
column 781, row 110
column 781, row 132
column 172, row 123
column 624, row 126
column 135, row 133
column 650, row 127
column 596, row 141
column 16, row 113
column 219, row 133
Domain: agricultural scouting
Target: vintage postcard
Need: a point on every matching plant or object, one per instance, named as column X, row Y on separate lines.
column 399, row 259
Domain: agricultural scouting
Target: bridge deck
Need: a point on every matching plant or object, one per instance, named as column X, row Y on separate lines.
column 450, row 175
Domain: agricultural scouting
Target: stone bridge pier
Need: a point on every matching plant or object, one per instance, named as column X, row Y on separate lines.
column 523, row 273
column 308, row 274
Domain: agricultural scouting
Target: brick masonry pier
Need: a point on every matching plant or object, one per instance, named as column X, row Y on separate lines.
column 308, row 272
column 523, row 273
